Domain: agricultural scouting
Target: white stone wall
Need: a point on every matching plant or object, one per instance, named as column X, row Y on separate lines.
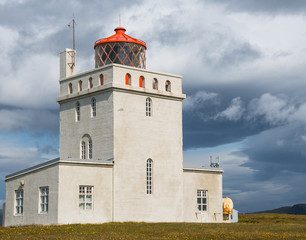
column 138, row 138
column 100, row 127
column 210, row 181
column 46, row 177
column 71, row 176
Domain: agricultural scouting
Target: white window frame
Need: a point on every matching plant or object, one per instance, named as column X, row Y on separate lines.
column 90, row 149
column 19, row 196
column 83, row 150
column 86, row 198
column 148, row 107
column 149, row 176
column 202, row 203
column 44, row 199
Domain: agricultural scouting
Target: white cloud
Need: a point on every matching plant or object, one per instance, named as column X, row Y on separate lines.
column 234, row 112
column 33, row 83
column 195, row 101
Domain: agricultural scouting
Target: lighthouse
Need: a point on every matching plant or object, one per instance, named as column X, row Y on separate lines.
column 121, row 148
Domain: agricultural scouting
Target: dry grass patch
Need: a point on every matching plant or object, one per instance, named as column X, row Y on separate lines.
column 250, row 226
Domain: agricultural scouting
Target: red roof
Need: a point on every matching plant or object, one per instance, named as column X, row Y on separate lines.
column 120, row 36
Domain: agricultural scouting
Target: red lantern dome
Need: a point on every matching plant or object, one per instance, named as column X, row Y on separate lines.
column 122, row 49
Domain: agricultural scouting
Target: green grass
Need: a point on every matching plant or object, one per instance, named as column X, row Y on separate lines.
column 250, row 226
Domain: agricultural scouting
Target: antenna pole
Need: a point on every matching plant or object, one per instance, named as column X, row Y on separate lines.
column 73, row 33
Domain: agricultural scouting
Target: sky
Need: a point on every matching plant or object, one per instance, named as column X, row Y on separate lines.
column 244, row 73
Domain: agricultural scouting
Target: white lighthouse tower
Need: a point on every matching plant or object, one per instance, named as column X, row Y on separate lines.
column 121, row 155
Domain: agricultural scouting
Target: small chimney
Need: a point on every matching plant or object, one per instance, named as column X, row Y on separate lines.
column 67, row 63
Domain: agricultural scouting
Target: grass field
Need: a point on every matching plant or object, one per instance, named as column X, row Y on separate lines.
column 250, row 226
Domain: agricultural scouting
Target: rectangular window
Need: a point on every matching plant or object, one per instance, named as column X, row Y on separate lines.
column 19, row 202
column 149, row 176
column 44, row 199
column 202, row 200
column 85, row 197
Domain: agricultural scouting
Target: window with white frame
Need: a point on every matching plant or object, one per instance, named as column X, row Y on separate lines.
column 19, row 202
column 202, row 200
column 148, row 107
column 90, row 149
column 93, row 107
column 86, row 147
column 44, row 199
column 83, row 150
column 149, row 176
column 77, row 112
column 85, row 197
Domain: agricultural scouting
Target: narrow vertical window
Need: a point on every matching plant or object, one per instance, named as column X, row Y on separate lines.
column 148, row 107
column 86, row 147
column 90, row 149
column 168, row 86
column 90, row 84
column 202, row 200
column 19, row 202
column 44, row 199
column 155, row 84
column 80, row 86
column 70, row 88
column 141, row 82
column 85, row 197
column 128, row 80
column 93, row 107
column 149, row 176
column 101, row 79
column 83, row 150
column 77, row 111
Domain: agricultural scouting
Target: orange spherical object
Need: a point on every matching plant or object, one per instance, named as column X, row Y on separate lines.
column 122, row 49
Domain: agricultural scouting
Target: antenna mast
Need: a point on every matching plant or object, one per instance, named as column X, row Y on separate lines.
column 73, row 31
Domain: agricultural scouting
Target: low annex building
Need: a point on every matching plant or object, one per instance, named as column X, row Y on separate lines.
column 121, row 149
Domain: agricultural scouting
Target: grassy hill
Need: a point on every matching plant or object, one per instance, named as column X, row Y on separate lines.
column 251, row 226
column 298, row 209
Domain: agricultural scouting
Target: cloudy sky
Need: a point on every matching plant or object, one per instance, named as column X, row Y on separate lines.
column 244, row 72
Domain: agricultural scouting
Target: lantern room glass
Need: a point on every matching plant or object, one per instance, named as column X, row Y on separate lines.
column 125, row 53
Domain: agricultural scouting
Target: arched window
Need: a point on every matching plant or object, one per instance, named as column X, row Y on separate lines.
column 90, row 84
column 80, row 86
column 90, row 149
column 155, row 84
column 149, row 174
column 141, row 82
column 148, row 107
column 83, row 150
column 86, row 147
column 77, row 112
column 168, row 86
column 101, row 79
column 93, row 107
column 128, row 79
column 70, row 88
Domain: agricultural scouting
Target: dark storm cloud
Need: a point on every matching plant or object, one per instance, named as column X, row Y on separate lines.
column 277, row 151
column 36, row 121
column 264, row 6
